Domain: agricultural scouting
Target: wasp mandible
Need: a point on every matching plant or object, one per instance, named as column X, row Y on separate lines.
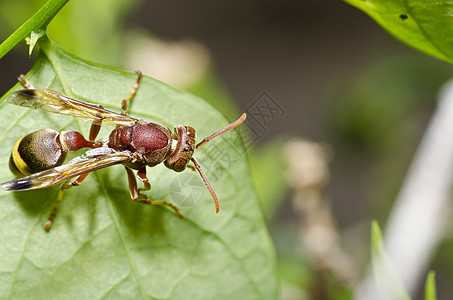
column 133, row 143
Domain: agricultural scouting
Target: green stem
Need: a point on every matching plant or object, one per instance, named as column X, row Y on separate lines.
column 38, row 22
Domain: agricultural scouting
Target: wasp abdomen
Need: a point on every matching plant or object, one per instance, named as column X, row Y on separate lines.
column 44, row 149
column 35, row 152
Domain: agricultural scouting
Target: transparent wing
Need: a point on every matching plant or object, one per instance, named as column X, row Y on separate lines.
column 67, row 171
column 56, row 103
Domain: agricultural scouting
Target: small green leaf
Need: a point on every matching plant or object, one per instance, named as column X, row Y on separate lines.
column 430, row 287
column 387, row 279
column 33, row 39
column 425, row 25
column 103, row 245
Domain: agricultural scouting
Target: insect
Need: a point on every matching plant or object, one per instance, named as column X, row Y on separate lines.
column 133, row 143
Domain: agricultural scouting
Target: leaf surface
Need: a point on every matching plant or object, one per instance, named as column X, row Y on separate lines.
column 387, row 278
column 102, row 244
column 430, row 286
column 424, row 25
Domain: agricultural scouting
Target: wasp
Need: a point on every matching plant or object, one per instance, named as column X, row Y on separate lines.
column 133, row 143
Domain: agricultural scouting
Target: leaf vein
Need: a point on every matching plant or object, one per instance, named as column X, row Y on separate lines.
column 117, row 227
column 233, row 255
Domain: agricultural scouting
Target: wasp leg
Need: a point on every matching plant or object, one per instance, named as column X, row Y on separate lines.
column 25, row 82
column 64, row 186
column 94, row 130
column 125, row 102
column 96, row 126
column 142, row 198
column 142, row 176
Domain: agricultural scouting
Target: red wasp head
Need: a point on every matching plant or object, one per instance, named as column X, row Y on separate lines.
column 182, row 153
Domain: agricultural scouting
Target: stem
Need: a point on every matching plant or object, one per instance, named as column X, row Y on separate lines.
column 36, row 23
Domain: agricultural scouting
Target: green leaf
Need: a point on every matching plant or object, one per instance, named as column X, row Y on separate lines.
column 387, row 279
column 33, row 39
column 425, row 25
column 430, row 286
column 102, row 244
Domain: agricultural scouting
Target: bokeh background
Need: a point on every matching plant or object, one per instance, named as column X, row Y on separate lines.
column 354, row 104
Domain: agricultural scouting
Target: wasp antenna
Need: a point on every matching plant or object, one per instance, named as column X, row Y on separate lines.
column 224, row 129
column 208, row 185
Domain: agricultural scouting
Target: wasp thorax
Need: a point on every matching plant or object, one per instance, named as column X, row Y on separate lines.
column 184, row 149
column 35, row 152
column 150, row 141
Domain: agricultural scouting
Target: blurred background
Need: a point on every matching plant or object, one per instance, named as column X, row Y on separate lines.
column 338, row 108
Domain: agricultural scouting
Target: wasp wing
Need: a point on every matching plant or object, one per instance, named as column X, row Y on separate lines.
column 67, row 171
column 57, row 103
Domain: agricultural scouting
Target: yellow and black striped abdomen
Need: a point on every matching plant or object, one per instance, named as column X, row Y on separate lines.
column 35, row 152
